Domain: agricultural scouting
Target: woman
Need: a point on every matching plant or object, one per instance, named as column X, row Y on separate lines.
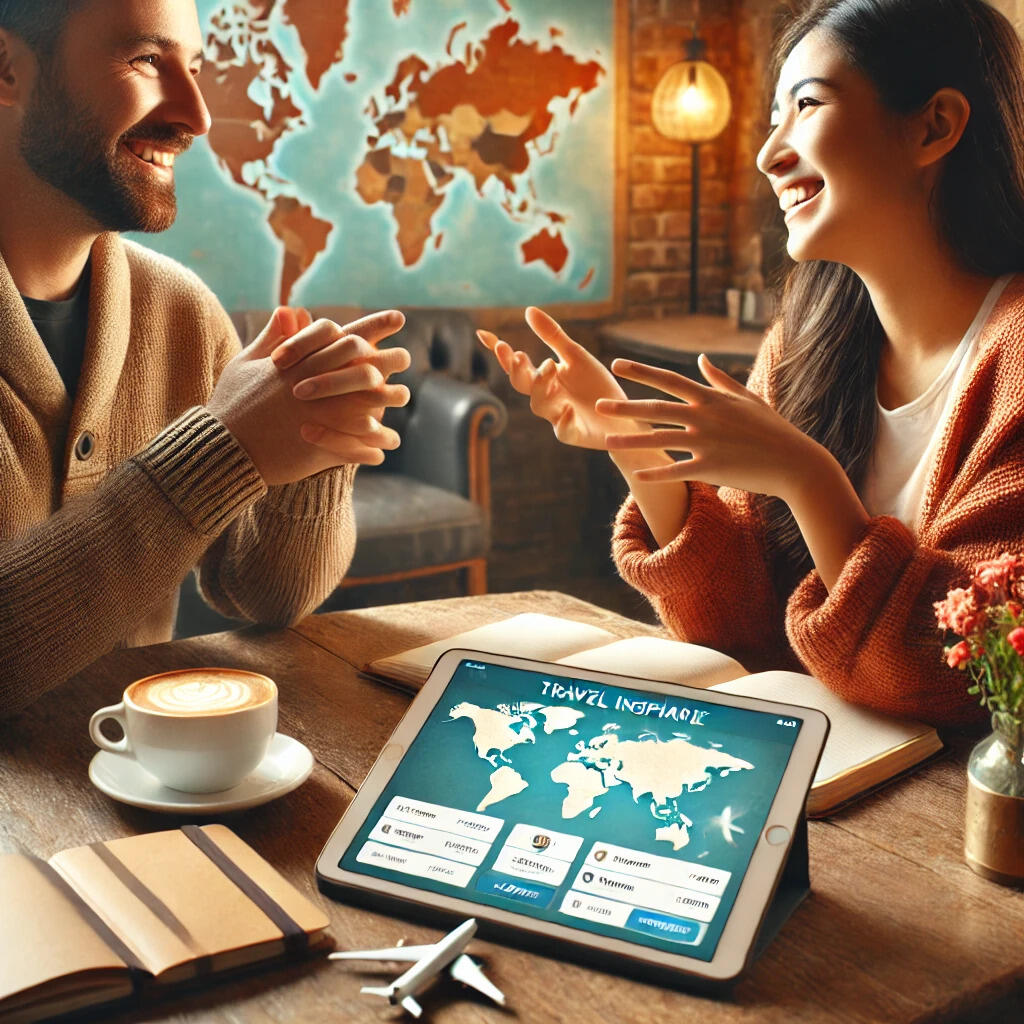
column 878, row 450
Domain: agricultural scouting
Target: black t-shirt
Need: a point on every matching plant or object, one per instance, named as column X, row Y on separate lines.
column 63, row 326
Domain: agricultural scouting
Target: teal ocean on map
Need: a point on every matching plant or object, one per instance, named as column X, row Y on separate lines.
column 563, row 797
column 335, row 172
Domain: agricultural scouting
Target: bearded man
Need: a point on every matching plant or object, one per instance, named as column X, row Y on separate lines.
column 136, row 440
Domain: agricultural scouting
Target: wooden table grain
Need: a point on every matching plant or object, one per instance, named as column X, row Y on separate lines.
column 896, row 927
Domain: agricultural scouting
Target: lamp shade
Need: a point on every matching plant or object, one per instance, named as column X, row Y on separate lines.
column 691, row 102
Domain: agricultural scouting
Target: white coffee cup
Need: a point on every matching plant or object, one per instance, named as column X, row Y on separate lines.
column 198, row 730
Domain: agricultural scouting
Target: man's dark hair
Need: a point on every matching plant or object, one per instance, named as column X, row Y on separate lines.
column 38, row 22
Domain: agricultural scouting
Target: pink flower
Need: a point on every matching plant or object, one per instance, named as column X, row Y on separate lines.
column 999, row 573
column 959, row 612
column 958, row 655
column 1016, row 638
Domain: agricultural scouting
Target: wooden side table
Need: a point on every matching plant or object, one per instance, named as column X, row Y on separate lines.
column 675, row 342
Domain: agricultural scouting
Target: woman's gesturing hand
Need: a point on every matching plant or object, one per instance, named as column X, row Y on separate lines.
column 565, row 392
column 734, row 438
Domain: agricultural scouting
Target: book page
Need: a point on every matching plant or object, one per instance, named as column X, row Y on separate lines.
column 44, row 939
column 170, row 903
column 530, row 635
column 857, row 735
column 652, row 657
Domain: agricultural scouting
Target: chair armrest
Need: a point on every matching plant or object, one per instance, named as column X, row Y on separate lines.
column 446, row 438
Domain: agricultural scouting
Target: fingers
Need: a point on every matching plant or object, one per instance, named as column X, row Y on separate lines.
column 669, row 381
column 661, row 440
column 719, row 379
column 312, row 338
column 686, row 469
column 351, row 349
column 319, row 334
column 358, row 377
column 645, row 410
column 550, row 332
column 375, row 327
column 365, row 449
column 503, row 352
column 283, row 323
column 523, row 373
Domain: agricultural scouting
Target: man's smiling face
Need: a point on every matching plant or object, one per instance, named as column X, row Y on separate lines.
column 118, row 101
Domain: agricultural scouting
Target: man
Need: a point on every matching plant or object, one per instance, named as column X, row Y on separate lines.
column 135, row 439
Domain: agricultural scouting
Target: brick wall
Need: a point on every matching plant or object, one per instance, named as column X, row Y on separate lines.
column 740, row 230
column 734, row 206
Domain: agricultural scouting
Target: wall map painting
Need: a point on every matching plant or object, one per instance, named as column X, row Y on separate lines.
column 404, row 152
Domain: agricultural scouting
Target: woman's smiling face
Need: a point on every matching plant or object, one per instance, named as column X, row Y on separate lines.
column 837, row 158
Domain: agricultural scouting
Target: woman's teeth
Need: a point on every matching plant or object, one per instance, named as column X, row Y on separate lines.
column 797, row 194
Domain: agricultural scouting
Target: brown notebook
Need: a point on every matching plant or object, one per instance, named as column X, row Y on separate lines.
column 133, row 916
column 863, row 751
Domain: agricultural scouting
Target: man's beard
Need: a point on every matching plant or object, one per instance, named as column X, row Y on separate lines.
column 63, row 144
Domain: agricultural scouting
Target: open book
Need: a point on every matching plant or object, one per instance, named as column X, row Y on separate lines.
column 864, row 749
column 111, row 920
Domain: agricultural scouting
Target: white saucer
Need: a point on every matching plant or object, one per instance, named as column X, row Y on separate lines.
column 287, row 764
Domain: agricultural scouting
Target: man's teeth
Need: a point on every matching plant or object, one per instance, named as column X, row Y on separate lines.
column 796, row 194
column 161, row 157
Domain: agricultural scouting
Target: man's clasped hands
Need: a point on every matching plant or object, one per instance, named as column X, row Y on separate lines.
column 307, row 395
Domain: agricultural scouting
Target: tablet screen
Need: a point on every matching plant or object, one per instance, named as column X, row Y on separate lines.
column 625, row 813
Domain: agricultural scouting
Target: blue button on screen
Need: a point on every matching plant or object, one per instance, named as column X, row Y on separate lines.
column 515, row 889
column 675, row 929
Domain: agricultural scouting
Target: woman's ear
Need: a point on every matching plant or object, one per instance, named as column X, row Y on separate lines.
column 940, row 125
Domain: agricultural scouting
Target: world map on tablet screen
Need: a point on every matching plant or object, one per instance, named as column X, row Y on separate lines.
column 660, row 767
column 626, row 813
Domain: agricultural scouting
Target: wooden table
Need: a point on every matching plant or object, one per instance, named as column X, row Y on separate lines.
column 896, row 927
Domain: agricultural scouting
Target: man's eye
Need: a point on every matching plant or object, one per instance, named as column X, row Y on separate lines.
column 147, row 58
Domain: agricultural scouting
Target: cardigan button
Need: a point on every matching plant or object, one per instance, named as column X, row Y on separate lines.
column 85, row 446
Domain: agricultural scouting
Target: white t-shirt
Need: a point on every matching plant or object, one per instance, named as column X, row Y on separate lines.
column 908, row 438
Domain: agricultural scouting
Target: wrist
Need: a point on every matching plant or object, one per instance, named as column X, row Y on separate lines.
column 629, row 462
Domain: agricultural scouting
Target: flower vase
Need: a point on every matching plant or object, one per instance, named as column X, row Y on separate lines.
column 994, row 827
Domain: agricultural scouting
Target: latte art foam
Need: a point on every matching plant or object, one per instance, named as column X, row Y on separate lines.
column 201, row 692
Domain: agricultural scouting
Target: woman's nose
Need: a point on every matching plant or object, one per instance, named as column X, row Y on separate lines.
column 775, row 155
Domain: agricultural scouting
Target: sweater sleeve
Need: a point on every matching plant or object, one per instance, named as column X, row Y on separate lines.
column 710, row 585
column 73, row 586
column 873, row 638
column 285, row 553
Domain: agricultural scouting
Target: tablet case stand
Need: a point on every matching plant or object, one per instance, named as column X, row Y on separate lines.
column 794, row 885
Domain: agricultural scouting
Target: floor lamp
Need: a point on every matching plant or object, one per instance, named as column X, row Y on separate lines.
column 691, row 103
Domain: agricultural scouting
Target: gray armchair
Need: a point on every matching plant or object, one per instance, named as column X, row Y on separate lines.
column 427, row 509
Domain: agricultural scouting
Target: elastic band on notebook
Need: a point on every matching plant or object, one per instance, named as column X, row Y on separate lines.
column 136, row 971
column 295, row 938
column 153, row 903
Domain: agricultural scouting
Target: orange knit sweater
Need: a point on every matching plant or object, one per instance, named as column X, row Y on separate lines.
column 92, row 551
column 873, row 639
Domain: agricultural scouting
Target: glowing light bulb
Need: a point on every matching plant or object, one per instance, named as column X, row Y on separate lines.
column 693, row 101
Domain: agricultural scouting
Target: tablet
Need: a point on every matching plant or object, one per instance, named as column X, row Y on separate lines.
column 634, row 824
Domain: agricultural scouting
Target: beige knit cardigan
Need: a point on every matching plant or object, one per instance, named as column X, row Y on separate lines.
column 92, row 551
column 873, row 639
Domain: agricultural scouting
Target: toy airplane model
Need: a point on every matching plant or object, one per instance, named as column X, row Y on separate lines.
column 429, row 962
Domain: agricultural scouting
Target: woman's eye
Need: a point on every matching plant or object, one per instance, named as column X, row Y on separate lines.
column 806, row 101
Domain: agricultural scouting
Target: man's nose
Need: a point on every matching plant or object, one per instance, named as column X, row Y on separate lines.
column 185, row 105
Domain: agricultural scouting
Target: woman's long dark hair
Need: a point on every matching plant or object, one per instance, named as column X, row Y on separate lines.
column 832, row 338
